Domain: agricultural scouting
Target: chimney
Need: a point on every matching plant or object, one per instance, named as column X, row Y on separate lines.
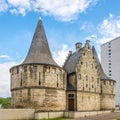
column 87, row 41
column 78, row 46
column 87, row 44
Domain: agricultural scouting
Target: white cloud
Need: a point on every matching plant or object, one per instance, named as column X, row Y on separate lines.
column 5, row 78
column 5, row 57
column 64, row 10
column 109, row 29
column 61, row 55
column 19, row 6
column 3, row 6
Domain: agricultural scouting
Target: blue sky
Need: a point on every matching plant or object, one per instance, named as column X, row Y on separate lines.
column 65, row 21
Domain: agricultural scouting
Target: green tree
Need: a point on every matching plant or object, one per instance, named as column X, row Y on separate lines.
column 6, row 102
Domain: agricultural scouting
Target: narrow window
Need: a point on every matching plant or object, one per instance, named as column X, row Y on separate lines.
column 21, row 80
column 44, row 68
column 17, row 70
column 35, row 68
column 25, row 68
column 39, row 78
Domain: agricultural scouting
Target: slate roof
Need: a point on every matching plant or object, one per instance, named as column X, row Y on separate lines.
column 72, row 60
column 71, row 63
column 39, row 51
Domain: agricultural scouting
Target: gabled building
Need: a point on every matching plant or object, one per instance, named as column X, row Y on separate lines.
column 81, row 85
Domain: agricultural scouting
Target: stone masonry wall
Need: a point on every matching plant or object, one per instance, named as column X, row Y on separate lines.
column 88, row 101
column 38, row 86
column 107, row 97
column 88, row 82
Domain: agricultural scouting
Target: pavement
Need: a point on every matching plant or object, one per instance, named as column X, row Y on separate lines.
column 107, row 116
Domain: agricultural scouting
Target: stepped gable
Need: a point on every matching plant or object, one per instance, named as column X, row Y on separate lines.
column 39, row 51
column 103, row 76
column 71, row 62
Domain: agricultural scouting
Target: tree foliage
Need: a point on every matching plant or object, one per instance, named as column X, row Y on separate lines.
column 5, row 102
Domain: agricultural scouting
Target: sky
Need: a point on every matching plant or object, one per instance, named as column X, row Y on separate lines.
column 66, row 22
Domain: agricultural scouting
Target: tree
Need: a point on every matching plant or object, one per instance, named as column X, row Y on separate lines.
column 6, row 102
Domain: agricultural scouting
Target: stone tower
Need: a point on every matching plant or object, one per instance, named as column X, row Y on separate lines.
column 38, row 82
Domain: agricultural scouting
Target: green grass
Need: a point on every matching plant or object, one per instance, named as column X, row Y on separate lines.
column 118, row 119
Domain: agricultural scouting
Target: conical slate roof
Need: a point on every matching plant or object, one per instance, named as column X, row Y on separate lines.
column 39, row 51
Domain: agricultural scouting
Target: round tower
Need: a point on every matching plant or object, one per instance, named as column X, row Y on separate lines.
column 38, row 82
column 107, row 94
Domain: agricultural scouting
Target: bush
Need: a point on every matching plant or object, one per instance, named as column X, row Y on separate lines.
column 6, row 102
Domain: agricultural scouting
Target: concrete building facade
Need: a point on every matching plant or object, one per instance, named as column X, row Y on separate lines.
column 110, row 60
column 80, row 85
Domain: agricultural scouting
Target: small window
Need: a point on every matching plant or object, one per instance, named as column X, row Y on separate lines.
column 57, row 84
column 70, row 96
column 109, row 71
column 17, row 70
column 109, row 63
column 109, row 43
column 109, row 50
column 86, row 77
column 110, row 74
column 25, row 68
column 44, row 69
column 35, row 68
column 109, row 53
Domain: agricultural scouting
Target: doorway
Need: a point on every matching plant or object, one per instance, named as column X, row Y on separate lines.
column 71, row 102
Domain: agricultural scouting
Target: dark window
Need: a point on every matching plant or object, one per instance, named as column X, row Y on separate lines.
column 39, row 78
column 109, row 53
column 109, row 63
column 44, row 68
column 110, row 74
column 57, row 84
column 71, row 96
column 35, row 68
column 17, row 70
column 25, row 68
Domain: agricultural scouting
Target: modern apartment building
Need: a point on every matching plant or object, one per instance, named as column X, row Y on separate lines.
column 110, row 60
